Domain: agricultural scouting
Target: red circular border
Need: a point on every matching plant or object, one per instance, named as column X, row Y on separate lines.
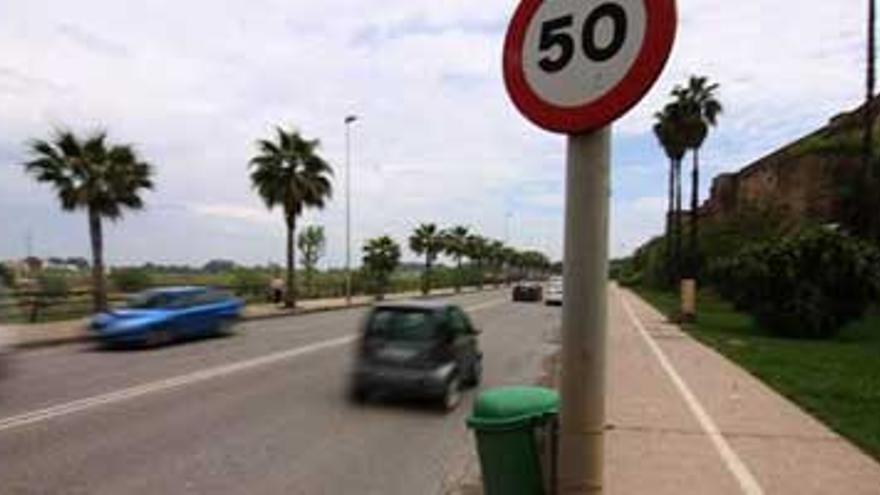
column 659, row 36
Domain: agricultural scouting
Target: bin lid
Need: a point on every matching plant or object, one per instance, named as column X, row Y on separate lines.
column 509, row 407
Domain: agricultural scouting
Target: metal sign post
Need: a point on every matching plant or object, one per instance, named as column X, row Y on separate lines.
column 585, row 265
column 573, row 67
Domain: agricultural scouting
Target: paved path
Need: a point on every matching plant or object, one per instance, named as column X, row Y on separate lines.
column 684, row 419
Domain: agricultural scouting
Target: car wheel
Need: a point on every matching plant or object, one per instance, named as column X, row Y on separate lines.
column 225, row 327
column 478, row 373
column 452, row 394
column 158, row 338
column 357, row 394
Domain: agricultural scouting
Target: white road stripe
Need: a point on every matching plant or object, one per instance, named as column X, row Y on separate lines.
column 737, row 467
column 182, row 380
column 163, row 385
column 486, row 305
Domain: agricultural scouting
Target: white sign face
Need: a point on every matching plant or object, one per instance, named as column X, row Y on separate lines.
column 576, row 51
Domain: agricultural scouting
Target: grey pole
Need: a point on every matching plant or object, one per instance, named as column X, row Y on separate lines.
column 582, row 414
column 348, row 121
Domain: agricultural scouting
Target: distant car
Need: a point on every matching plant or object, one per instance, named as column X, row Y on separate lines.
column 160, row 316
column 525, row 291
column 553, row 294
column 424, row 349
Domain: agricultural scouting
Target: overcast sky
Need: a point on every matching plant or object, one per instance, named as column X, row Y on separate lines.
column 192, row 84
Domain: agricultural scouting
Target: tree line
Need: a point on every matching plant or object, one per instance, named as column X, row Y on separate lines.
column 287, row 172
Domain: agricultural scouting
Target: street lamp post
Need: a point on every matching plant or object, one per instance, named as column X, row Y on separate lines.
column 348, row 121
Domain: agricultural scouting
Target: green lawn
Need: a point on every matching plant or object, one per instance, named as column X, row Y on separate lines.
column 838, row 381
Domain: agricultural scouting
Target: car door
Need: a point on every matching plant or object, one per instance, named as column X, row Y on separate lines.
column 190, row 315
column 465, row 345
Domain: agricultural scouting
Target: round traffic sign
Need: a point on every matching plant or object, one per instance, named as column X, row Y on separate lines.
column 573, row 66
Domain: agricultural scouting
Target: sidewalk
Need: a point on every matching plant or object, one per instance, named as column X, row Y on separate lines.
column 682, row 419
column 69, row 331
column 714, row 429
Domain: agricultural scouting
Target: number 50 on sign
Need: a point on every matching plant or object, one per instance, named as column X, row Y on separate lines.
column 574, row 66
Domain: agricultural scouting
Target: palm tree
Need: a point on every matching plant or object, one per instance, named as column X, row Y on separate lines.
column 535, row 263
column 477, row 248
column 96, row 177
column 509, row 256
column 455, row 245
column 668, row 131
column 426, row 239
column 289, row 173
column 495, row 254
column 381, row 257
column 699, row 111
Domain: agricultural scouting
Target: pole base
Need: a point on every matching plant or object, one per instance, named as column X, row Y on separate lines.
column 688, row 312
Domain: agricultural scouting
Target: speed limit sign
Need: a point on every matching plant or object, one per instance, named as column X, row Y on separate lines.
column 573, row 66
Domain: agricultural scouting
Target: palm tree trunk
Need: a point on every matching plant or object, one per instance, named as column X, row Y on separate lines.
column 99, row 286
column 695, row 217
column 458, row 275
column 290, row 295
column 679, row 228
column 871, row 225
column 670, row 262
column 426, row 281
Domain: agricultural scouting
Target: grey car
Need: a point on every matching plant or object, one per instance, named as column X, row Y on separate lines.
column 417, row 349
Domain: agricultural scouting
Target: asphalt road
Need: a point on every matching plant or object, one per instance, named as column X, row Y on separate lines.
column 263, row 411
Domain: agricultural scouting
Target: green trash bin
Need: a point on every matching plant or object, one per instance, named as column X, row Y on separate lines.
column 516, row 439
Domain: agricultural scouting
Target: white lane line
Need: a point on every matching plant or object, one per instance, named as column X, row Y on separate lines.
column 163, row 385
column 737, row 467
column 180, row 381
column 486, row 305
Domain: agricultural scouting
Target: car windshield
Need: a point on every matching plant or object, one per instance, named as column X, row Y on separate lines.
column 153, row 300
column 401, row 325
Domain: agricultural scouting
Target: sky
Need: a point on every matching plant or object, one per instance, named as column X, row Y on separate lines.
column 193, row 84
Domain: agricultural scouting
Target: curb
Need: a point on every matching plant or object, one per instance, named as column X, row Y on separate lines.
column 86, row 337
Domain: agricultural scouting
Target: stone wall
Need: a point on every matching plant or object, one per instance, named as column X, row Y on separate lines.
column 795, row 181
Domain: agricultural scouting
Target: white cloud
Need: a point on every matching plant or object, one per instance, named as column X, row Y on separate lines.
column 193, row 84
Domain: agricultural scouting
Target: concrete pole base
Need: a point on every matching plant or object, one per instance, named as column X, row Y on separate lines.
column 688, row 312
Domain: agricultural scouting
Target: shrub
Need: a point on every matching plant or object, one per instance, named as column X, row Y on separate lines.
column 7, row 276
column 250, row 283
column 131, row 279
column 52, row 287
column 806, row 285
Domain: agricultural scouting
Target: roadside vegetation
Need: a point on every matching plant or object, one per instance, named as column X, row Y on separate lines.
column 455, row 264
column 793, row 301
column 287, row 172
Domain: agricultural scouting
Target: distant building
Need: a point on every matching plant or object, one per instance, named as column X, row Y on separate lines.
column 62, row 264
column 33, row 265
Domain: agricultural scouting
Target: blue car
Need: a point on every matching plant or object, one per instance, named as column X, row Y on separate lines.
column 160, row 316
